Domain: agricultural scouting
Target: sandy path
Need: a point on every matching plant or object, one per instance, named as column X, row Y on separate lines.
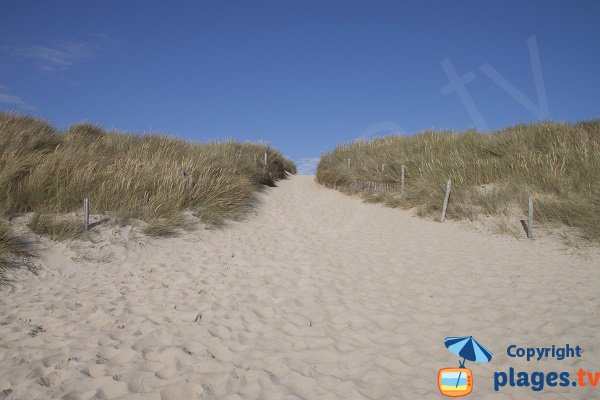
column 317, row 296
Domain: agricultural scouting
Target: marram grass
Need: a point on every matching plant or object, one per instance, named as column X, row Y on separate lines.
column 12, row 247
column 147, row 177
column 491, row 173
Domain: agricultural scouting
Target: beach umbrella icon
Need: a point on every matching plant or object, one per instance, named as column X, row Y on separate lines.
column 469, row 349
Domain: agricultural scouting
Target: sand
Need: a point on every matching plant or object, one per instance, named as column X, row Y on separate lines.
column 315, row 295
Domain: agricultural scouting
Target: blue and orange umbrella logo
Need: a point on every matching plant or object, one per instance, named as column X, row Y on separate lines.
column 458, row 382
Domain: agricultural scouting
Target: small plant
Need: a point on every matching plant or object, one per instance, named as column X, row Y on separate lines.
column 11, row 247
column 56, row 228
column 160, row 228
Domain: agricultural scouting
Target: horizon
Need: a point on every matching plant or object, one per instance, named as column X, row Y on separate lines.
column 304, row 77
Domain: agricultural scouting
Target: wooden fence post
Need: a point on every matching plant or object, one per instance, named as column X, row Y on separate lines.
column 255, row 157
column 402, row 178
column 446, row 196
column 348, row 163
column 265, row 160
column 530, row 218
column 382, row 167
column 86, row 214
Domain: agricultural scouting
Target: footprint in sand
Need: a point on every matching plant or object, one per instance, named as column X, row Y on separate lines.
column 167, row 373
column 188, row 391
column 220, row 352
column 220, row 331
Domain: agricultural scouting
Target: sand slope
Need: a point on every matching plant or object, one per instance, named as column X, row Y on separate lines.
column 315, row 296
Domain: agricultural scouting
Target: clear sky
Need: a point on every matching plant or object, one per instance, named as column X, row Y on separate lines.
column 302, row 75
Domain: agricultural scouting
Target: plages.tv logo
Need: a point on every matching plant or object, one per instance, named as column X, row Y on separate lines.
column 458, row 382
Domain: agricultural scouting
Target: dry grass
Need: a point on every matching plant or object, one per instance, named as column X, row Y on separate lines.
column 56, row 228
column 503, row 226
column 557, row 163
column 11, row 248
column 148, row 177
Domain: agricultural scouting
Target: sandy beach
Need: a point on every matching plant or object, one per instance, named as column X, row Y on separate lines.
column 316, row 295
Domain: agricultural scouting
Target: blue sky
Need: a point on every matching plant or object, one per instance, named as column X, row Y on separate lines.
column 302, row 75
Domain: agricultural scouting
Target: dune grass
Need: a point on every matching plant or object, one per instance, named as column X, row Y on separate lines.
column 492, row 173
column 56, row 227
column 152, row 178
column 11, row 248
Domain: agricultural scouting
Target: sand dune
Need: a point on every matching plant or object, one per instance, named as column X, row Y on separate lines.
column 315, row 296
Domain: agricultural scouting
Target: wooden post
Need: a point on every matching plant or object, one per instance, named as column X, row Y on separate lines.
column 402, row 178
column 446, row 196
column 530, row 219
column 348, row 163
column 265, row 160
column 255, row 157
column 86, row 214
column 382, row 167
